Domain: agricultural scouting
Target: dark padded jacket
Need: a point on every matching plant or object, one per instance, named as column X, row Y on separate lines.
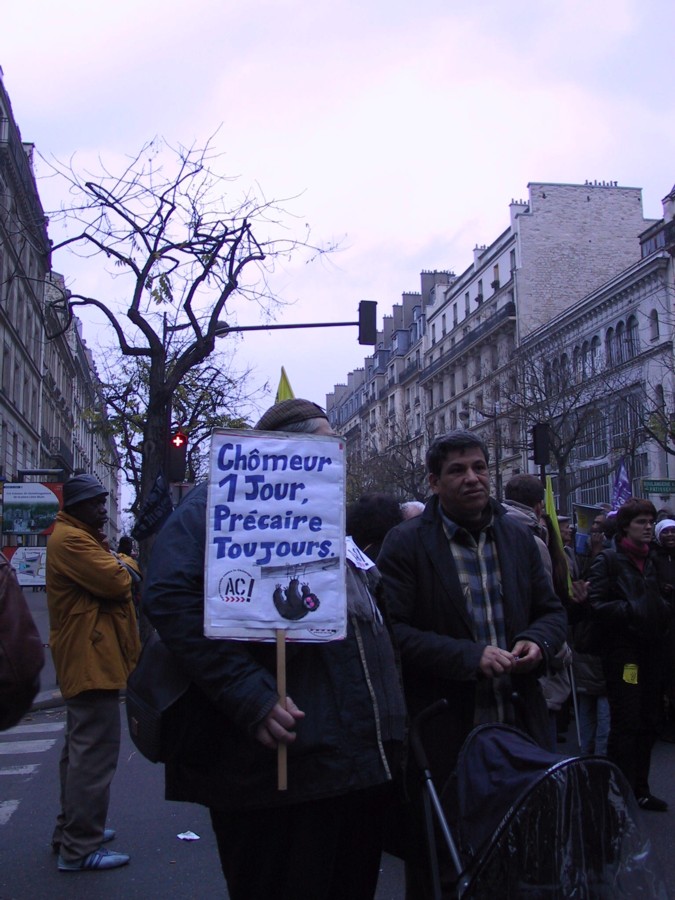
column 627, row 604
column 349, row 690
column 434, row 631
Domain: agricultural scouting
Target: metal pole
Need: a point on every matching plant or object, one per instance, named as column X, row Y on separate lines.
column 498, row 453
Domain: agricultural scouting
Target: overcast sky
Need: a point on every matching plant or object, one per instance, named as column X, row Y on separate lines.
column 403, row 130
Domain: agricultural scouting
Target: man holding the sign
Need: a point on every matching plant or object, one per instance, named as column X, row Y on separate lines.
column 275, row 560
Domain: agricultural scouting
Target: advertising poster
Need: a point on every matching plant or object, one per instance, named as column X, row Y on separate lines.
column 30, row 507
column 30, row 564
column 275, row 547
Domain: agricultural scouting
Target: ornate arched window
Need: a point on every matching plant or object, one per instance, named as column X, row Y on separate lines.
column 610, row 350
column 632, row 337
column 654, row 330
column 620, row 341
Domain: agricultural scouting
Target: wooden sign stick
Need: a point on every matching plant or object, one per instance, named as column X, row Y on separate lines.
column 282, row 750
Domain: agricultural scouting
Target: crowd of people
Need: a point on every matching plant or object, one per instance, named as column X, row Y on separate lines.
column 484, row 604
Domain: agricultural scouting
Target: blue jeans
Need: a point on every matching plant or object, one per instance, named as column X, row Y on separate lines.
column 593, row 723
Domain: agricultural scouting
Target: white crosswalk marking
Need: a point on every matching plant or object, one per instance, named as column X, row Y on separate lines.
column 27, row 737
column 19, row 770
column 7, row 807
column 26, row 747
column 35, row 729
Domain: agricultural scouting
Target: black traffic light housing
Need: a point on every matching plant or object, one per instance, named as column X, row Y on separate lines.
column 541, row 443
column 177, row 456
column 368, row 322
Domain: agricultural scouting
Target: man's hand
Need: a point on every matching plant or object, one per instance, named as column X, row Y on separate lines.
column 529, row 656
column 495, row 662
column 277, row 726
column 580, row 591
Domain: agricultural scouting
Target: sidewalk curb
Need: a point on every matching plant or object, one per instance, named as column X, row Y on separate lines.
column 54, row 700
column 48, row 700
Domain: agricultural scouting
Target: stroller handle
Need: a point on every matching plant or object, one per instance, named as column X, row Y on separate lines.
column 416, row 728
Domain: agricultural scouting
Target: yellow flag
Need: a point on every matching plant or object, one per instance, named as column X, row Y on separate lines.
column 549, row 502
column 284, row 391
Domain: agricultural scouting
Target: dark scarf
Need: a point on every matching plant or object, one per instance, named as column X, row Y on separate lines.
column 637, row 553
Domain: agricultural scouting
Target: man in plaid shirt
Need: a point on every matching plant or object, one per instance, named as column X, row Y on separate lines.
column 472, row 609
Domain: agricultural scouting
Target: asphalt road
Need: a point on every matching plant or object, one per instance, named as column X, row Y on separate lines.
column 162, row 865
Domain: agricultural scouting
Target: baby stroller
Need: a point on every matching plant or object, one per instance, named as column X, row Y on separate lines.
column 535, row 824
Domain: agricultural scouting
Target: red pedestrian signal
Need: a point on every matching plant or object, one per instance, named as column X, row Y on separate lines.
column 177, row 456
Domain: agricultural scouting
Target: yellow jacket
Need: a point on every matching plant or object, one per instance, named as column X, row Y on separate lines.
column 93, row 634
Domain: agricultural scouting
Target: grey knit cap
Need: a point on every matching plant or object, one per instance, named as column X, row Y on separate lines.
column 288, row 412
column 82, row 487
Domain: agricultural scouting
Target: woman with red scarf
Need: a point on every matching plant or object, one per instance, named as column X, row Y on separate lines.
column 632, row 619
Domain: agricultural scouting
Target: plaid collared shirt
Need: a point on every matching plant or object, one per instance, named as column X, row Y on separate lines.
column 478, row 570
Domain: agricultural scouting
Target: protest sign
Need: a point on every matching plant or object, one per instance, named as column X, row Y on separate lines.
column 585, row 516
column 275, row 549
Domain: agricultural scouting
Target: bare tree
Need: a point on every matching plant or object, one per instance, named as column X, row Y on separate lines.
column 178, row 255
column 210, row 395
column 571, row 395
column 389, row 461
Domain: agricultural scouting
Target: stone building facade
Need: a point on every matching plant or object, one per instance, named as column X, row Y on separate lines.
column 48, row 387
column 564, row 246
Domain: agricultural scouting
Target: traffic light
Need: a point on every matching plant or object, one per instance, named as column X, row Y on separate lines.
column 541, row 444
column 368, row 322
column 177, row 456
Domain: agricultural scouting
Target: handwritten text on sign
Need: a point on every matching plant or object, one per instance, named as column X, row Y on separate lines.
column 275, row 545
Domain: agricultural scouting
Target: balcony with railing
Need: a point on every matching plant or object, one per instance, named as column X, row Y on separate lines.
column 480, row 332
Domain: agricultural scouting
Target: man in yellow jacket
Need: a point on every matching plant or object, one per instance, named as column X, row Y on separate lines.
column 95, row 645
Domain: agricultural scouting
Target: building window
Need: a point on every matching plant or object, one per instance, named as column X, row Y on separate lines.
column 454, row 314
column 576, row 364
column 443, row 328
column 592, row 439
column 626, row 423
column 433, row 334
column 467, row 304
column 620, row 341
column 610, row 354
column 548, row 380
column 654, row 325
column 594, row 485
column 595, row 355
column 632, row 338
column 477, row 369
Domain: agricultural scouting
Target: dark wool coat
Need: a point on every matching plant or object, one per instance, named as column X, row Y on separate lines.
column 627, row 604
column 434, row 631
column 349, row 691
